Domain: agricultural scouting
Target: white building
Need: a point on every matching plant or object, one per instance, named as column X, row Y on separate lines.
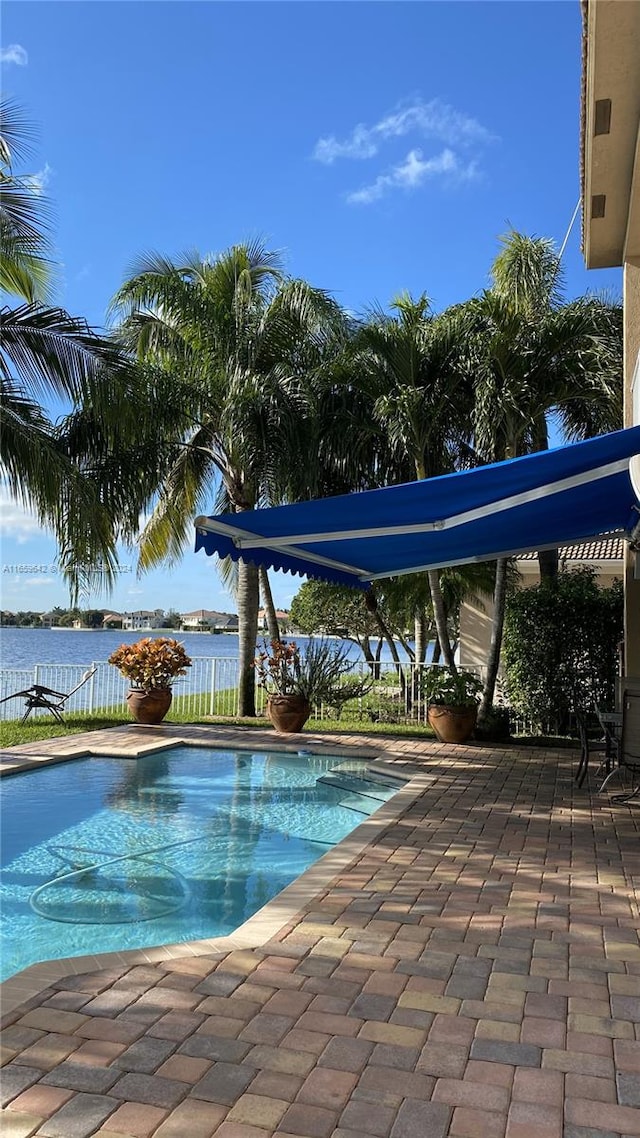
column 281, row 616
column 142, row 618
column 208, row 620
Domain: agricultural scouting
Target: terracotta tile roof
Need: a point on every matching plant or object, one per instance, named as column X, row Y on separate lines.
column 598, row 549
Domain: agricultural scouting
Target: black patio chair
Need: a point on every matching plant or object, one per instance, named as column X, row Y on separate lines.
column 607, row 746
column 628, row 746
column 40, row 696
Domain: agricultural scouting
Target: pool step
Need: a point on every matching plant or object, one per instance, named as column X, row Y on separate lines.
column 360, row 804
column 392, row 775
column 391, row 780
column 384, row 776
column 360, row 786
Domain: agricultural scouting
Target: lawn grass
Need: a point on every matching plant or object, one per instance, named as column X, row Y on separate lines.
column 13, row 733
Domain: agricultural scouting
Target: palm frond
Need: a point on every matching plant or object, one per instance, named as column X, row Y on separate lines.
column 528, row 273
column 25, row 276
column 185, row 491
column 16, row 132
column 24, row 222
column 51, row 351
column 24, row 214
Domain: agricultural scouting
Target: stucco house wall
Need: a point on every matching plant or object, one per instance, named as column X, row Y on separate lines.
column 610, row 151
column 605, row 556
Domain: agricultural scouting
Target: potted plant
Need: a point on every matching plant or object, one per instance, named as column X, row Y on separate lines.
column 151, row 664
column 452, row 699
column 295, row 681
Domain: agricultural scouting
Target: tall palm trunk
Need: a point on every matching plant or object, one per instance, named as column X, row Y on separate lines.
column 248, row 599
column 437, row 600
column 269, row 607
column 493, row 661
column 497, row 624
column 548, row 559
column 421, row 641
column 420, row 636
column 440, row 616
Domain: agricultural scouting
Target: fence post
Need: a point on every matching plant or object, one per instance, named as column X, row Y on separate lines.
column 94, row 665
column 212, row 701
column 362, row 666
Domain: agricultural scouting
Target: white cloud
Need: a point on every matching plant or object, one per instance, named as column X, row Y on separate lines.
column 14, row 53
column 359, row 145
column 134, row 592
column 434, row 119
column 18, row 592
column 412, row 173
column 40, row 180
column 18, row 522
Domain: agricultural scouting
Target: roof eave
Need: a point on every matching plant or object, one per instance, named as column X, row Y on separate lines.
column 611, row 209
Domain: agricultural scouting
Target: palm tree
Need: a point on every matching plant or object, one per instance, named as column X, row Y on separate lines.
column 409, row 365
column 231, row 343
column 533, row 355
column 45, row 354
column 24, row 266
column 546, row 356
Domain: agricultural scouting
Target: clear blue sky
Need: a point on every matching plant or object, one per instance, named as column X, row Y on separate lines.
column 381, row 146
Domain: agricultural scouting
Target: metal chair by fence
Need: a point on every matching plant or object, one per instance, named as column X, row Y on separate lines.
column 38, row 696
column 607, row 747
column 628, row 746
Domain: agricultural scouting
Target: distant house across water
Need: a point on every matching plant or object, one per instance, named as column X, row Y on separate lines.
column 143, row 618
column 112, row 620
column 282, row 618
column 208, row 620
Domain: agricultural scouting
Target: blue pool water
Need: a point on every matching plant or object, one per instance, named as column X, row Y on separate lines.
column 107, row 854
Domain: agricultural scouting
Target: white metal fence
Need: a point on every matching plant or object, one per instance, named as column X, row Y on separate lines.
column 210, row 688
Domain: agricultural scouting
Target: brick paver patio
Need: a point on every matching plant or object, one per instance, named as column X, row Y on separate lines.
column 474, row 973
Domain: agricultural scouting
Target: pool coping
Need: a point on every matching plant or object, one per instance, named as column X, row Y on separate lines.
column 27, row 985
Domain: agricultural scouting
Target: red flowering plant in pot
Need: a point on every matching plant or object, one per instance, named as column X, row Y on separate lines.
column 295, row 681
column 151, row 664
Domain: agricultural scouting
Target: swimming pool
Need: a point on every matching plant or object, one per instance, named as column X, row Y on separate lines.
column 101, row 855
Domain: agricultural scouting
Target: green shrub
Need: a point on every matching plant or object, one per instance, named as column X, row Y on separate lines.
column 560, row 647
column 450, row 689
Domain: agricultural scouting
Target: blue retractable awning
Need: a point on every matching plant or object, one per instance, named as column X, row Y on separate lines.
column 550, row 498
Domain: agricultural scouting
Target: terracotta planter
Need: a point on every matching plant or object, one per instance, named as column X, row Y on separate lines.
column 288, row 713
column 452, row 724
column 149, row 706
